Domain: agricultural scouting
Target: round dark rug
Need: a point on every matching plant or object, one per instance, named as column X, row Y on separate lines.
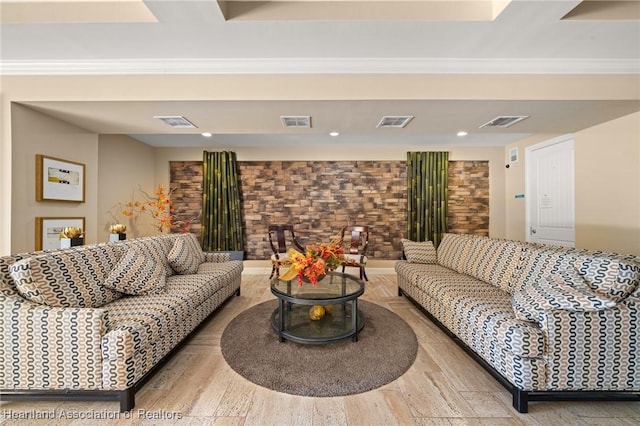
column 385, row 349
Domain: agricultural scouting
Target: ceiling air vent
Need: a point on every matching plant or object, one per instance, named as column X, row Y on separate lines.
column 397, row 121
column 505, row 121
column 296, row 121
column 176, row 121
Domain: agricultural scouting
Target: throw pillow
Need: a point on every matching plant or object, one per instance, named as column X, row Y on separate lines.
column 137, row 274
column 565, row 290
column 183, row 257
column 20, row 272
column 609, row 277
column 64, row 279
column 419, row 252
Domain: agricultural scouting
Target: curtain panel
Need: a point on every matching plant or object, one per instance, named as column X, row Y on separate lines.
column 427, row 195
column 221, row 213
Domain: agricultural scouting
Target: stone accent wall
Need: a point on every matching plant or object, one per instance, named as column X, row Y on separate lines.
column 186, row 179
column 469, row 197
column 319, row 198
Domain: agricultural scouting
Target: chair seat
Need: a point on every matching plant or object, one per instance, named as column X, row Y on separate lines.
column 282, row 257
column 355, row 259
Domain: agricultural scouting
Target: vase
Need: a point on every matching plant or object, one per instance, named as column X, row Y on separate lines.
column 308, row 281
column 71, row 242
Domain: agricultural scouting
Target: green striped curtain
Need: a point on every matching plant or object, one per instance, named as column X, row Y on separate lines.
column 427, row 195
column 221, row 213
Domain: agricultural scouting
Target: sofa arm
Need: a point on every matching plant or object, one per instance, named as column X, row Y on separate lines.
column 119, row 369
column 49, row 348
column 593, row 350
column 216, row 257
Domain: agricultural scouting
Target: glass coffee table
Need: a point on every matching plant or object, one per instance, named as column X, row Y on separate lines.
column 333, row 302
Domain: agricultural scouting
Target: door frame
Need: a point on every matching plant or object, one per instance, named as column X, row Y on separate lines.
column 529, row 184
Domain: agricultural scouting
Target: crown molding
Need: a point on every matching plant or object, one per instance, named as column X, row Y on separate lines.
column 320, row 66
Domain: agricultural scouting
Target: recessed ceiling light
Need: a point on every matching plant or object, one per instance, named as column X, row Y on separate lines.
column 334, row 134
column 462, row 133
column 207, row 134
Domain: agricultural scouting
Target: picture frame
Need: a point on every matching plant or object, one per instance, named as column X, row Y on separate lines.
column 59, row 180
column 48, row 230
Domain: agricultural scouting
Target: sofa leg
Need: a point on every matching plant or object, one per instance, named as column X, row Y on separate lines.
column 399, row 291
column 127, row 400
column 521, row 401
column 238, row 292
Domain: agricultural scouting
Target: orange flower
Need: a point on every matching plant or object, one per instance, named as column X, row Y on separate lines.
column 158, row 206
column 316, row 260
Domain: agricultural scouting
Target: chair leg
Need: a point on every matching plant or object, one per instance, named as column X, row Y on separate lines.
column 363, row 272
column 274, row 271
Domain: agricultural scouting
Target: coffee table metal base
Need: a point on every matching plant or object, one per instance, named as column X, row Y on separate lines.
column 296, row 326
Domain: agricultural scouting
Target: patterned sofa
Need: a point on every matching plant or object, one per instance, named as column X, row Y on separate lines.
column 547, row 322
column 96, row 321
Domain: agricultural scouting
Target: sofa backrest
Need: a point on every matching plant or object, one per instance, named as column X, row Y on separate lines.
column 488, row 259
column 87, row 265
column 510, row 265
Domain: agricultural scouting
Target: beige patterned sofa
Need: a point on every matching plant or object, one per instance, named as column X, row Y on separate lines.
column 547, row 322
column 95, row 321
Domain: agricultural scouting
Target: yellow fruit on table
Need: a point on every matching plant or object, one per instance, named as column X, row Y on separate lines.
column 316, row 312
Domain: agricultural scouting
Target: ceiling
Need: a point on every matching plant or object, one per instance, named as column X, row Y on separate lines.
column 472, row 38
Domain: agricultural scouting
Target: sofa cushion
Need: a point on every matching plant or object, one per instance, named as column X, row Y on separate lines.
column 67, row 278
column 494, row 261
column 229, row 267
column 565, row 290
column 537, row 263
column 137, row 274
column 455, row 251
column 609, row 277
column 156, row 248
column 419, row 252
column 185, row 255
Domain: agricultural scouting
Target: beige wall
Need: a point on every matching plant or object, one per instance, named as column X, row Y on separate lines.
column 124, row 166
column 608, row 186
column 607, row 176
column 34, row 133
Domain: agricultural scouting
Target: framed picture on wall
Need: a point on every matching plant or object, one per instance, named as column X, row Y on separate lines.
column 48, row 230
column 59, row 180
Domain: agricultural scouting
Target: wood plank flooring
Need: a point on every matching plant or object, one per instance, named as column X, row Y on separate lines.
column 443, row 387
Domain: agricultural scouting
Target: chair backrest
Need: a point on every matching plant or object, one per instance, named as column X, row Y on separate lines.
column 280, row 236
column 357, row 238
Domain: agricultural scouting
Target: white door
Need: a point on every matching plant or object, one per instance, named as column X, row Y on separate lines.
column 550, row 184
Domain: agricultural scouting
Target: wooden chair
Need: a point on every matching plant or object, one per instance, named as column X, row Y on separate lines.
column 356, row 252
column 282, row 238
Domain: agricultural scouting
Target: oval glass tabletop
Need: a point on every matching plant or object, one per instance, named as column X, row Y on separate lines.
column 334, row 285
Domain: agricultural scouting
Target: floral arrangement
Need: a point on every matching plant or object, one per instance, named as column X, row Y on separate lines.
column 314, row 262
column 117, row 228
column 158, row 206
column 71, row 232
